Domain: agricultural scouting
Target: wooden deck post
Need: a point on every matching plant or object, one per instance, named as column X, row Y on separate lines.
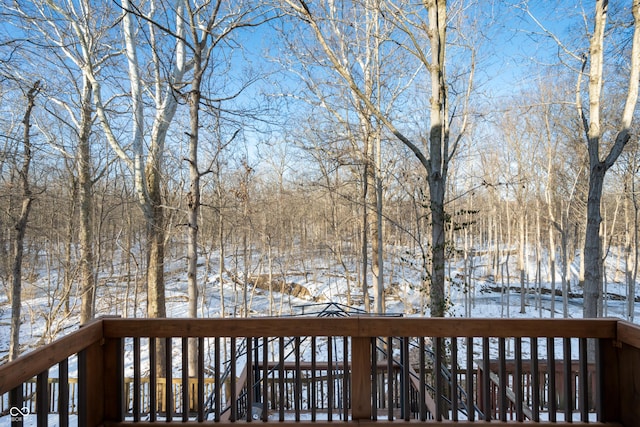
column 113, row 362
column 361, row 378
column 608, row 381
column 101, row 382
column 628, row 364
column 91, row 386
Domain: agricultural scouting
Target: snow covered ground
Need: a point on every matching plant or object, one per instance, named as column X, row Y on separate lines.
column 43, row 319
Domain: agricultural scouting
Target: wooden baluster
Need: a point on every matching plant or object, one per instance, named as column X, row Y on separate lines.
column 265, row 379
column 374, row 378
column 471, row 412
column 314, row 397
column 218, row 380
column 136, row 380
column 153, row 381
column 168, row 387
column 233, row 401
column 454, row 379
column 502, row 372
column 486, row 379
column 16, row 400
column 249, row 379
column 185, row 379
column 551, row 369
column 255, row 371
column 297, row 398
column 390, row 379
column 406, row 381
column 42, row 399
column 568, row 398
column 200, row 399
column 437, row 374
column 63, row 393
column 535, row 379
column 422, row 373
column 329, row 378
column 345, row 378
column 583, row 381
column 281, row 382
column 517, row 380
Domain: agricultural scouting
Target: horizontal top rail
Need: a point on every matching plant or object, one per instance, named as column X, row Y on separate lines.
column 498, row 328
column 365, row 326
column 31, row 364
column 628, row 333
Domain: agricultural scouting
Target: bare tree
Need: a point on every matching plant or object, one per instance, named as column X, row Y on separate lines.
column 630, row 236
column 82, row 128
column 165, row 75
column 147, row 175
column 439, row 148
column 209, row 25
column 358, row 43
column 43, row 21
column 21, row 225
column 598, row 140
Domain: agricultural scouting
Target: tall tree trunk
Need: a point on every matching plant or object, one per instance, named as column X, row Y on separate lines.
column 552, row 264
column 86, row 208
column 374, row 83
column 155, row 240
column 193, row 203
column 68, row 258
column 636, row 242
column 566, row 269
column 522, row 218
column 437, row 302
column 593, row 243
column 364, row 233
column 628, row 251
column 377, row 246
column 439, row 152
column 156, row 307
column 221, row 252
column 21, row 227
column 539, row 254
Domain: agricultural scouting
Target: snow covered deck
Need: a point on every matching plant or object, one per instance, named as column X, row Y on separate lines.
column 303, row 371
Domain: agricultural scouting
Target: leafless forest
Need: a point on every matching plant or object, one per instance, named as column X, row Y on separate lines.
column 147, row 138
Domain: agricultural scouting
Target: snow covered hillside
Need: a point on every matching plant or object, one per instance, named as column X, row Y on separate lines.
column 308, row 283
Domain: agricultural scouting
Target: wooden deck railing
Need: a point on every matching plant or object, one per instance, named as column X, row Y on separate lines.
column 319, row 370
